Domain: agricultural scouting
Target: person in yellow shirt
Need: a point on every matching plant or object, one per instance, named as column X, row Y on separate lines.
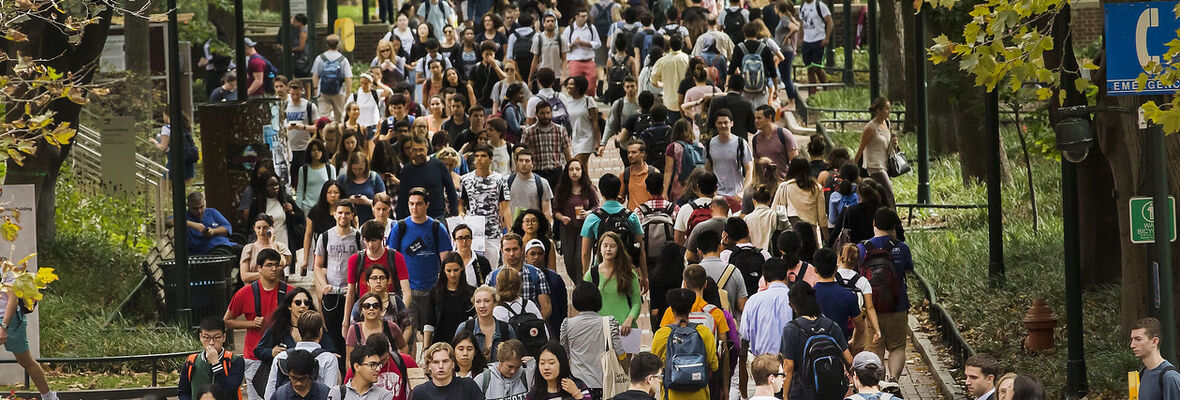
column 695, row 280
column 681, row 303
column 667, row 73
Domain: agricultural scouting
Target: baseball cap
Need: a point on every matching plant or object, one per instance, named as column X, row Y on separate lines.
column 864, row 359
column 534, row 243
column 250, row 42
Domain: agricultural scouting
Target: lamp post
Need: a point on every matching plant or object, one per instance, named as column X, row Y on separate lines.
column 1075, row 137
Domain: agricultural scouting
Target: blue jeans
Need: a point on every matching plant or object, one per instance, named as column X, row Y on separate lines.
column 785, row 71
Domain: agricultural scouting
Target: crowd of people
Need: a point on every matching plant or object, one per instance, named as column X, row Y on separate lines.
column 433, row 198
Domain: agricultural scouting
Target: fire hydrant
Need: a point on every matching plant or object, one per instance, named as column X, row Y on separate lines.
column 1040, row 322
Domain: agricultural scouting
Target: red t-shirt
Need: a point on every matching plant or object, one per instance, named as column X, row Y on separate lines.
column 390, row 377
column 255, row 65
column 399, row 269
column 243, row 304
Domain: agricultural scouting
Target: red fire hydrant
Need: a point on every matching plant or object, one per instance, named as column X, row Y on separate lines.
column 1040, row 322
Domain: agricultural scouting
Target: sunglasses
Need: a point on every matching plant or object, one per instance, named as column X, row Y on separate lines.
column 301, row 302
column 371, row 306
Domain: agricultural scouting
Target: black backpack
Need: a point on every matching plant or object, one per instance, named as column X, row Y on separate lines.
column 191, row 152
column 522, row 48
column 657, row 138
column 281, row 377
column 268, row 75
column 529, row 328
column 823, row 361
column 748, row 260
column 618, row 224
column 879, row 268
column 734, row 20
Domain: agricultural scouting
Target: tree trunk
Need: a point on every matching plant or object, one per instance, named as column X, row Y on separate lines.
column 1097, row 213
column 136, row 41
column 893, row 55
column 43, row 167
column 910, row 95
column 973, row 164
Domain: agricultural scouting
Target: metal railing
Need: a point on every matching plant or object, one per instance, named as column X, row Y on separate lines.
column 154, row 358
column 86, row 156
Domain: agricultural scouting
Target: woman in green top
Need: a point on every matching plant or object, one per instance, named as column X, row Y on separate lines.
column 619, row 284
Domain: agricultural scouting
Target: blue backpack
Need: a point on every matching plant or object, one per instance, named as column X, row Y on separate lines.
column 645, row 43
column 331, row 75
column 753, row 71
column 823, row 361
column 691, row 158
column 685, row 365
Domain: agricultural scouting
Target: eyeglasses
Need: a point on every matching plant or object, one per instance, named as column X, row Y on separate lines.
column 297, row 378
column 464, row 237
column 373, row 365
column 301, row 302
column 371, row 306
column 213, row 338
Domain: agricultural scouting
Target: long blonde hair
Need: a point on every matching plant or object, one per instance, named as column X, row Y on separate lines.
column 385, row 42
column 516, row 74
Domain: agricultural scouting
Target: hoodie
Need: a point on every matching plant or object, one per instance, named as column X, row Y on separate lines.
column 496, row 387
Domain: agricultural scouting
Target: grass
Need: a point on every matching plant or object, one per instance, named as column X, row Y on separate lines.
column 953, row 259
column 99, row 240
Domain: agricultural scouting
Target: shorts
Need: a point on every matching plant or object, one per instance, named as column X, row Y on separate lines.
column 894, row 329
column 18, row 334
column 813, row 54
column 418, row 306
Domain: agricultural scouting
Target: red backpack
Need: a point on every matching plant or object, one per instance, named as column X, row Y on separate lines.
column 700, row 213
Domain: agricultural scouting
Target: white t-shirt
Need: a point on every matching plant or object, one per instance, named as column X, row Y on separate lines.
column 686, row 211
column 370, row 107
column 578, row 110
column 298, row 138
column 501, row 160
column 812, row 14
column 550, row 49
column 275, row 210
column 862, row 283
column 345, row 66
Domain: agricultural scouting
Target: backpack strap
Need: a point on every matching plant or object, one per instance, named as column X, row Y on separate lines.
column 401, row 232
column 257, row 298
column 192, row 358
column 343, row 390
column 359, row 335
column 726, row 275
column 487, row 379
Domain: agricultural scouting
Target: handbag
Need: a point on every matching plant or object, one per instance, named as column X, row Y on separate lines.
column 614, row 379
column 896, row 164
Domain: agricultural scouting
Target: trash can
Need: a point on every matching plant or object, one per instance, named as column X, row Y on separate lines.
column 209, row 287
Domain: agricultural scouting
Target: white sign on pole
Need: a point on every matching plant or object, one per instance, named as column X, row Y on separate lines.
column 118, row 141
column 19, row 203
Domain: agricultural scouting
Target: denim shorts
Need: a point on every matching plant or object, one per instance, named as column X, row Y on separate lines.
column 18, row 334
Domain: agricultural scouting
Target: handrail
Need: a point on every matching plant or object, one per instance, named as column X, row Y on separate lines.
column 149, row 173
column 154, row 358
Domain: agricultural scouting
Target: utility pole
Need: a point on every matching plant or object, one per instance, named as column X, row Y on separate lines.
column 874, row 52
column 179, row 128
column 849, row 43
column 995, row 210
column 921, row 107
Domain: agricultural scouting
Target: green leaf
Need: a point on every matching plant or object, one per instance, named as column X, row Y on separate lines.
column 1081, row 84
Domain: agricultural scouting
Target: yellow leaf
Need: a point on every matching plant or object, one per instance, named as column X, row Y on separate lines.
column 8, row 230
column 1089, row 65
column 1081, row 84
column 1044, row 93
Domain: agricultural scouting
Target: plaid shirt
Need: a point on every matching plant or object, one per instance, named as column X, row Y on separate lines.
column 658, row 204
column 529, row 289
column 548, row 144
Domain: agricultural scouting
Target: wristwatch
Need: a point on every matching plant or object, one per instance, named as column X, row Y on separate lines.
column 3, row 325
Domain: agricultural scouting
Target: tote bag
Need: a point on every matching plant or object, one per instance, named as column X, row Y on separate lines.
column 614, row 379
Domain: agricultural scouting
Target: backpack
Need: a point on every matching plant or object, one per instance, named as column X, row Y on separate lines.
column 401, row 234
column 626, row 175
column 619, row 71
column 225, row 361
column 752, row 69
column 656, row 138
column 282, row 377
column 871, row 396
column 561, row 115
column 522, row 48
column 626, row 35
column 617, row 223
column 734, row 20
column 487, row 380
column 850, row 284
column 782, row 138
column 530, row 329
column 713, row 67
column 797, row 276
column 645, row 43
column 748, row 259
column 670, row 29
column 600, row 14
column 390, row 260
column 685, row 366
column 691, row 157
column 700, row 213
column 191, row 152
column 536, row 181
column 331, row 74
column 823, row 362
column 879, row 268
column 704, row 317
column 722, row 293
column 373, row 91
column 594, row 277
column 1142, row 370
column 268, row 75
column 657, row 227
column 384, row 329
